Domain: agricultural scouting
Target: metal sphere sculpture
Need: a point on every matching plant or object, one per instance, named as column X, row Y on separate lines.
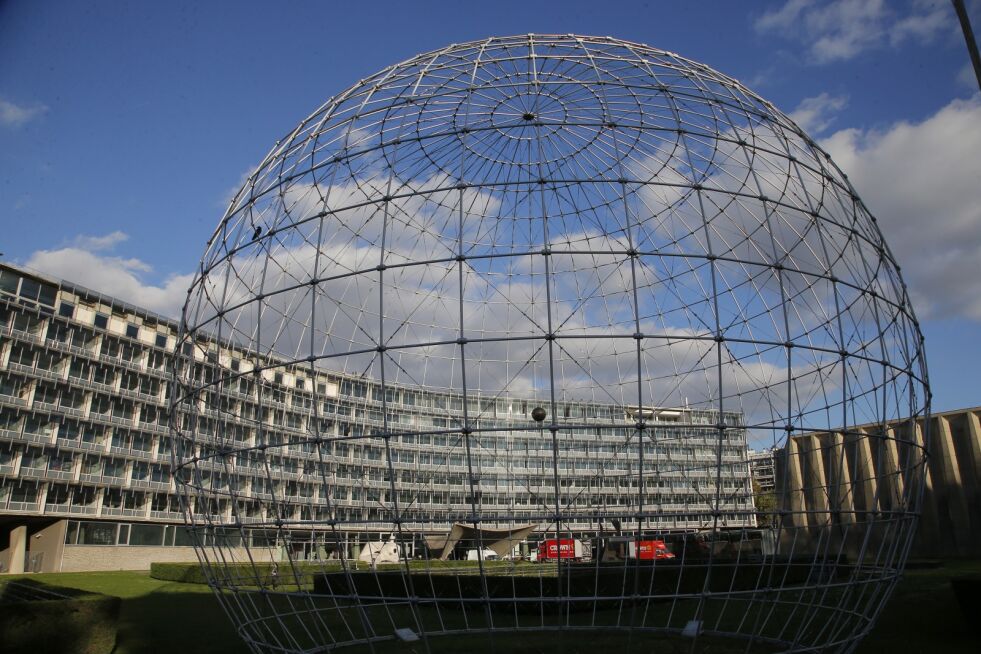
column 480, row 347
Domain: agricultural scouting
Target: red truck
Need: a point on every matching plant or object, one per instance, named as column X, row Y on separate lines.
column 649, row 550
column 566, row 549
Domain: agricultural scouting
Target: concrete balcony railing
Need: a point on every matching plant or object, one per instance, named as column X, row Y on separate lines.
column 26, row 507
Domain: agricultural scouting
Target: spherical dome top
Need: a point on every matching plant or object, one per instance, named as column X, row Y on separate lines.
column 629, row 240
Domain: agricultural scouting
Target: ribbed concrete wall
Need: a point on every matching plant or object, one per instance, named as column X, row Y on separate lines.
column 842, row 492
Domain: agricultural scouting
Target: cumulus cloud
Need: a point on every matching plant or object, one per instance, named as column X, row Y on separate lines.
column 505, row 312
column 99, row 243
column 840, row 30
column 967, row 77
column 12, row 115
column 921, row 181
column 87, row 261
column 814, row 115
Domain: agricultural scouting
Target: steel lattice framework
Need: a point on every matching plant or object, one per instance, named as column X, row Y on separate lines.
column 545, row 288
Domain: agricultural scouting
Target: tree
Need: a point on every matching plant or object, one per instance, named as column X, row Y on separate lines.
column 766, row 505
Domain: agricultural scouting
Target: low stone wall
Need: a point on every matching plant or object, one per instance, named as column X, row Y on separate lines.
column 91, row 558
column 86, row 558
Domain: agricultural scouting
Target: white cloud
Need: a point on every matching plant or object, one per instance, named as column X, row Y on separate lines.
column 784, row 17
column 921, row 181
column 12, row 115
column 840, row 30
column 814, row 115
column 930, row 18
column 86, row 263
column 967, row 77
column 99, row 243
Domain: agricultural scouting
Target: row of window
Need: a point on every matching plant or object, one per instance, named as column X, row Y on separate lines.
column 362, row 389
column 85, row 532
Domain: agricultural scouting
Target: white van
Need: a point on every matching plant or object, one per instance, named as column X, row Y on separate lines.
column 489, row 555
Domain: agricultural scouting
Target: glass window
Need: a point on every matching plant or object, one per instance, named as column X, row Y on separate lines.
column 71, row 535
column 161, row 340
column 182, row 538
column 30, row 289
column 47, row 295
column 97, row 533
column 101, row 320
column 8, row 281
column 227, row 537
column 66, row 310
column 132, row 331
column 146, row 534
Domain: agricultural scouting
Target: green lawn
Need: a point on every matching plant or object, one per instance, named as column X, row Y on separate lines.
column 172, row 617
column 158, row 616
column 923, row 616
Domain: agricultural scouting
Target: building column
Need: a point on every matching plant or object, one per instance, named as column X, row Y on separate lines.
column 794, row 522
column 42, row 496
column 928, row 539
column 5, row 351
column 17, row 460
column 974, row 443
column 154, row 446
column 840, row 484
column 18, row 549
column 31, row 388
column 817, row 483
column 891, row 476
column 864, row 481
column 958, row 519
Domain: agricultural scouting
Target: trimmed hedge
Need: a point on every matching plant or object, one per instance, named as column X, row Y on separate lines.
column 260, row 574
column 84, row 623
column 240, row 574
column 578, row 581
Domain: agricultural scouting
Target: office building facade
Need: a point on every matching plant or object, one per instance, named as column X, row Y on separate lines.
column 85, row 449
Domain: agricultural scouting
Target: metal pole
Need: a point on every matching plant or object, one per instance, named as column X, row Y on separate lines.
column 972, row 44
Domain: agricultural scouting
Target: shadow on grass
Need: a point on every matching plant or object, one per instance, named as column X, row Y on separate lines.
column 176, row 622
column 923, row 615
column 37, row 617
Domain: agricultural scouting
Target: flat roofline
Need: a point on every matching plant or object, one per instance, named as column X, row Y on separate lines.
column 91, row 294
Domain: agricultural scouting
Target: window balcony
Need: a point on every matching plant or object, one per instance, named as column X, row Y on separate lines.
column 32, row 473
column 167, row 515
column 30, row 507
column 128, row 513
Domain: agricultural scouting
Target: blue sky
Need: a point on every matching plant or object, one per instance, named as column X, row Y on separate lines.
column 126, row 127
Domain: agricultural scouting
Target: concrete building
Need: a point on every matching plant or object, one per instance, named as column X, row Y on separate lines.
column 846, row 485
column 761, row 468
column 85, row 448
